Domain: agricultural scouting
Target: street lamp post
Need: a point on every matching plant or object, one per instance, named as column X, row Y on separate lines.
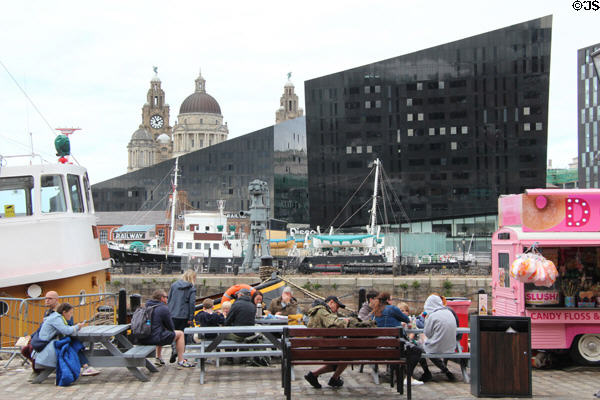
column 463, row 246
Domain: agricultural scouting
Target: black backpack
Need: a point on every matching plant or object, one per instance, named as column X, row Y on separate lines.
column 141, row 322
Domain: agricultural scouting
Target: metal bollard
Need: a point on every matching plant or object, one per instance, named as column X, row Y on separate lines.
column 362, row 297
column 122, row 311
column 134, row 302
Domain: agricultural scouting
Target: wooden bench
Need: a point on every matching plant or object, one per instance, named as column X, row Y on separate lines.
column 458, row 356
column 351, row 346
column 463, row 359
column 210, row 347
column 131, row 359
column 140, row 352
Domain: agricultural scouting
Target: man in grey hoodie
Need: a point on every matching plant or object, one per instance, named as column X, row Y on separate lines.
column 440, row 331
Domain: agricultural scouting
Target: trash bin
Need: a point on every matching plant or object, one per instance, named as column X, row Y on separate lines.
column 461, row 305
column 500, row 356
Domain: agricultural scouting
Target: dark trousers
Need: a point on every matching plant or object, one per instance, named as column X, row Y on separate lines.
column 180, row 324
column 438, row 362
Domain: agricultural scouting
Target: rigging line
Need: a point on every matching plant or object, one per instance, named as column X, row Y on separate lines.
column 398, row 202
column 350, row 217
column 28, row 147
column 135, row 217
column 385, row 216
column 349, row 179
column 28, row 98
column 386, row 198
column 351, row 197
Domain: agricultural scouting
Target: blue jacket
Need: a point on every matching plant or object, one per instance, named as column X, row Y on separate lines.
column 390, row 317
column 210, row 319
column 68, row 364
column 182, row 300
column 53, row 325
column 163, row 329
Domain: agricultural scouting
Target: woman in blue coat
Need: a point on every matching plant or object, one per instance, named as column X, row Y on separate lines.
column 54, row 326
column 387, row 315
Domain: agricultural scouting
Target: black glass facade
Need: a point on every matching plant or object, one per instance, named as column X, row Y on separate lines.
column 588, row 119
column 455, row 126
column 276, row 155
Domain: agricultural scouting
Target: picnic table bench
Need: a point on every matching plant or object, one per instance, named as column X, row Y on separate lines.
column 210, row 347
column 352, row 346
column 127, row 355
column 459, row 356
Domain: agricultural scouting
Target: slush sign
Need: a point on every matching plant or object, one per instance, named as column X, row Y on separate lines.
column 129, row 235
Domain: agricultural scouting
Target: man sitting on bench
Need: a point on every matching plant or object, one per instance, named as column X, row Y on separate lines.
column 440, row 333
column 324, row 315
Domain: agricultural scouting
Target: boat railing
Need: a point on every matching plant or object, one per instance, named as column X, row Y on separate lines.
column 21, row 317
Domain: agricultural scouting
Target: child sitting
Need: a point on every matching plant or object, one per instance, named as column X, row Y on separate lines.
column 207, row 317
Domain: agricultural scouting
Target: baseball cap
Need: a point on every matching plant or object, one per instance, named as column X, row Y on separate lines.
column 334, row 298
column 243, row 292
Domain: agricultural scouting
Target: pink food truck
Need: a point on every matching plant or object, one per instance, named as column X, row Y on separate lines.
column 562, row 226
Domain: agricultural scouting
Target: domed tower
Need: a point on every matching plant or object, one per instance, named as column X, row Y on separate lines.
column 288, row 104
column 140, row 150
column 200, row 123
column 155, row 125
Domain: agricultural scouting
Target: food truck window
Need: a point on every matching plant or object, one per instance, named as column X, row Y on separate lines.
column 503, row 270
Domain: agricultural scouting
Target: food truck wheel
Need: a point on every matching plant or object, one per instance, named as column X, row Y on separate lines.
column 586, row 349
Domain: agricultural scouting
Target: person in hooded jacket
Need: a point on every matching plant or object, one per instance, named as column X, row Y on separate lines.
column 182, row 303
column 367, row 307
column 162, row 331
column 440, row 331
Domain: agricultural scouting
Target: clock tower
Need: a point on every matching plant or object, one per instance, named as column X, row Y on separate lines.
column 151, row 143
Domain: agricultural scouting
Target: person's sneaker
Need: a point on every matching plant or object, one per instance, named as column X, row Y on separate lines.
column 173, row 357
column 450, row 376
column 90, row 371
column 335, row 383
column 426, row 377
column 184, row 364
column 32, row 376
column 414, row 382
column 159, row 362
column 313, row 380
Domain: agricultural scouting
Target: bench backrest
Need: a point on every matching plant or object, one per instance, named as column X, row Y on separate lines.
column 341, row 344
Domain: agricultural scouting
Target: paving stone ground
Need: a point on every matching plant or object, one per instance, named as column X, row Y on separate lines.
column 246, row 382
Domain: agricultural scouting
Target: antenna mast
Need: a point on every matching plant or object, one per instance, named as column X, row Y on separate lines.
column 374, row 206
column 173, row 203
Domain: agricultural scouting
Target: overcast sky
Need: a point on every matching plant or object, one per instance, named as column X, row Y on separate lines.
column 89, row 64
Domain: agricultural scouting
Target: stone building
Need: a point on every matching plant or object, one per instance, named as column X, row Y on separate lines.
column 151, row 142
column 200, row 123
column 288, row 104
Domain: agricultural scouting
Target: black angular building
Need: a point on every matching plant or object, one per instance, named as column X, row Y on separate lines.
column 276, row 155
column 588, row 119
column 455, row 126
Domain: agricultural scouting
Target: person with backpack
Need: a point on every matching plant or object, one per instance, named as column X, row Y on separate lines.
column 182, row 304
column 162, row 332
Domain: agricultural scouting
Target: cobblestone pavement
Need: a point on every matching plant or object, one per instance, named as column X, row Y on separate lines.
column 246, row 382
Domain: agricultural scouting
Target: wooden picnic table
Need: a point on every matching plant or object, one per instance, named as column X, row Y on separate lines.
column 209, row 348
column 126, row 355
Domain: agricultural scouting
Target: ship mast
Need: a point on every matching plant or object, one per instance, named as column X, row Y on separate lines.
column 173, row 204
column 374, row 206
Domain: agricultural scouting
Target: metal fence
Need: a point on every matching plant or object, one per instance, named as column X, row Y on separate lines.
column 21, row 317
